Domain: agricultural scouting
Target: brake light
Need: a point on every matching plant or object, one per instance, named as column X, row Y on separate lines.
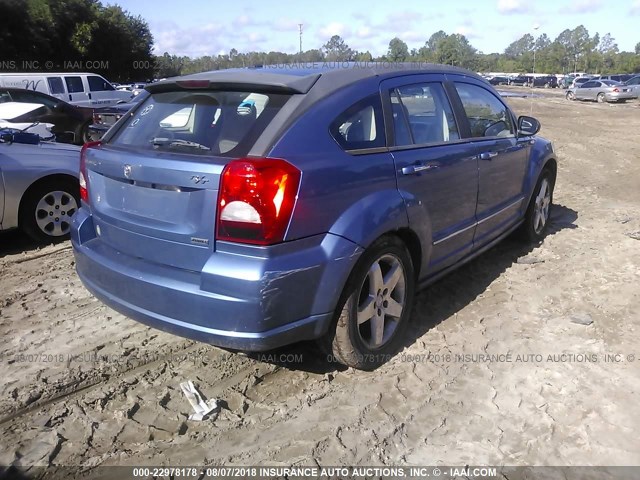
column 616, row 90
column 83, row 177
column 193, row 83
column 256, row 200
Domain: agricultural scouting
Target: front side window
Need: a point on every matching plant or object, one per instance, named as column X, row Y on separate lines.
column 360, row 126
column 422, row 115
column 55, row 85
column 98, row 84
column 74, row 84
column 203, row 123
column 488, row 116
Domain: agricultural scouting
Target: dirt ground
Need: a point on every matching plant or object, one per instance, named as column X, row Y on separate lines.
column 528, row 355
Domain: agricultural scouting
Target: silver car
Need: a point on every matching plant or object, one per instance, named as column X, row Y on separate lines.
column 39, row 190
column 634, row 84
column 601, row 91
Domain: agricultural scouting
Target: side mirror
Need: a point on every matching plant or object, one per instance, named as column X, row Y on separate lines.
column 528, row 126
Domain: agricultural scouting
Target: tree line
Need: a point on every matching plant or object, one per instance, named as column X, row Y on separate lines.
column 86, row 35
column 571, row 51
column 61, row 35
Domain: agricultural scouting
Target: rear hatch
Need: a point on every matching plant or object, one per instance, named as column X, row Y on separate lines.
column 153, row 185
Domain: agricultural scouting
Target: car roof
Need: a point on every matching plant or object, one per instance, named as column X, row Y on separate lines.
column 300, row 78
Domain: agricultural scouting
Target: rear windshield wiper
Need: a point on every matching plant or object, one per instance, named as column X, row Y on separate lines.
column 170, row 142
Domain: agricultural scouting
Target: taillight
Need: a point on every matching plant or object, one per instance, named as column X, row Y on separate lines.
column 256, row 200
column 83, row 177
column 616, row 90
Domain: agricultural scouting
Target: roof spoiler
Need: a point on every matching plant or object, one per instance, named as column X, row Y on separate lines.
column 243, row 80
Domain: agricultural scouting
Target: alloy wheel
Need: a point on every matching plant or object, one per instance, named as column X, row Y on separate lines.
column 381, row 301
column 54, row 211
column 541, row 208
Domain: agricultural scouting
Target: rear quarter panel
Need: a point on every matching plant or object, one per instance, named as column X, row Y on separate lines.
column 354, row 196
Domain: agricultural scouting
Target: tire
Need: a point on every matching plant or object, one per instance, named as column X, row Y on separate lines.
column 358, row 345
column 571, row 96
column 600, row 98
column 46, row 210
column 82, row 134
column 536, row 220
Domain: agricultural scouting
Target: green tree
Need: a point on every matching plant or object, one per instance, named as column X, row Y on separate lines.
column 429, row 51
column 455, row 49
column 125, row 42
column 523, row 45
column 168, row 66
column 364, row 56
column 398, row 50
column 336, row 49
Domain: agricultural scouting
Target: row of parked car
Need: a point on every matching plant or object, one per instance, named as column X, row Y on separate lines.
column 605, row 88
column 547, row 81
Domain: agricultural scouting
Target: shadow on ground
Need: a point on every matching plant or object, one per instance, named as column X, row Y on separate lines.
column 14, row 242
column 442, row 299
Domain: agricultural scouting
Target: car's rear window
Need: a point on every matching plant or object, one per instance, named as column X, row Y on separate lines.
column 200, row 122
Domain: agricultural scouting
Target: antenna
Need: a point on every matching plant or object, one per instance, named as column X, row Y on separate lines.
column 300, row 28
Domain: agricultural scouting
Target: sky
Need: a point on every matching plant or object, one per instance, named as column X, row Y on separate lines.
column 211, row 27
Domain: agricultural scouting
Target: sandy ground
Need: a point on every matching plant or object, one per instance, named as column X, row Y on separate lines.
column 527, row 356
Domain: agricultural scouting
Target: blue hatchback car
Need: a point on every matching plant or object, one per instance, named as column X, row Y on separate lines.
column 254, row 208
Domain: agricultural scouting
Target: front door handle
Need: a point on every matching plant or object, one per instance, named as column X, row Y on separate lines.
column 487, row 155
column 413, row 169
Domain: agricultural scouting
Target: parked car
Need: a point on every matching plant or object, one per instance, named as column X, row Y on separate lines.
column 634, row 84
column 39, row 191
column 499, row 80
column 520, row 80
column 623, row 77
column 104, row 118
column 66, row 118
column 14, row 111
column 566, row 81
column 601, row 91
column 84, row 89
column 296, row 205
column 547, row 81
column 578, row 81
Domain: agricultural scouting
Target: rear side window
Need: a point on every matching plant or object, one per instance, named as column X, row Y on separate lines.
column 488, row 116
column 422, row 115
column 74, row 84
column 98, row 84
column 200, row 122
column 360, row 126
column 55, row 85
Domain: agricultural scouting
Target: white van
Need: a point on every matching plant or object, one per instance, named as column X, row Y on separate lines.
column 84, row 89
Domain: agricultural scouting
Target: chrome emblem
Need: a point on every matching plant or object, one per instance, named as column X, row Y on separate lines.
column 127, row 171
column 199, row 180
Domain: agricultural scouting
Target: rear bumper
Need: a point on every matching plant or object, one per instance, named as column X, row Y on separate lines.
column 245, row 298
column 614, row 97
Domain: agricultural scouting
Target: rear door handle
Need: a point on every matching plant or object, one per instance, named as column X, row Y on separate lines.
column 413, row 169
column 487, row 155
